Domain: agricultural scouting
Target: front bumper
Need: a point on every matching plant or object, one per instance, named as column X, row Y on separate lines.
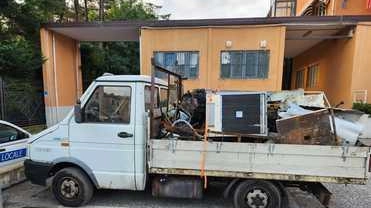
column 37, row 172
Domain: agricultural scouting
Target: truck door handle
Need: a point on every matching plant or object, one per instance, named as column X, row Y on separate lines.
column 124, row 134
column 2, row 150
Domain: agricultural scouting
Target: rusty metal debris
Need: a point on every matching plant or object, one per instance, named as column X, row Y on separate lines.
column 311, row 128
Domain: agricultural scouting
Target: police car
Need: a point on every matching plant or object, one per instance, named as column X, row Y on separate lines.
column 13, row 141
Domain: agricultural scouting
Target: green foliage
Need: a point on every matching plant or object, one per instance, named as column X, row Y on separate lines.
column 116, row 57
column 133, row 9
column 20, row 23
column 364, row 107
column 18, row 58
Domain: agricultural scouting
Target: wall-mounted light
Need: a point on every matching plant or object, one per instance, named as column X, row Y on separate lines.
column 228, row 44
column 263, row 44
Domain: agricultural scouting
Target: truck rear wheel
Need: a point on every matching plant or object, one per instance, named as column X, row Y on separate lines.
column 257, row 194
column 71, row 187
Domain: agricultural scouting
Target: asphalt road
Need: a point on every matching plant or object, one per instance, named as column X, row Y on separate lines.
column 26, row 195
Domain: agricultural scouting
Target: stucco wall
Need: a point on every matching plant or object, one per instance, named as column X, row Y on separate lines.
column 352, row 7
column 361, row 79
column 344, row 66
column 61, row 74
column 335, row 7
column 210, row 42
column 335, row 59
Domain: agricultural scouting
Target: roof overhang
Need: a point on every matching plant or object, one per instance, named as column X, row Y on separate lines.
column 300, row 38
column 302, row 32
column 129, row 30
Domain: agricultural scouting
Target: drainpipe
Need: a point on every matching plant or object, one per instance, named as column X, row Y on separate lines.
column 55, row 82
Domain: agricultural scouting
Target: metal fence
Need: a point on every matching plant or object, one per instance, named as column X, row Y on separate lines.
column 22, row 102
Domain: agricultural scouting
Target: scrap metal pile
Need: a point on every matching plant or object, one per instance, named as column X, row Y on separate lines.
column 187, row 119
column 289, row 117
column 307, row 118
column 286, row 117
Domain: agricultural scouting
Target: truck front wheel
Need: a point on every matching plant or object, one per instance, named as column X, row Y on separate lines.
column 257, row 194
column 71, row 187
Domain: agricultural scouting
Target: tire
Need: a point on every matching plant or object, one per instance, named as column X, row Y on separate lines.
column 257, row 194
column 72, row 187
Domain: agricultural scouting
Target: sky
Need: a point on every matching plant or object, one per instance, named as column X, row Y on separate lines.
column 203, row 9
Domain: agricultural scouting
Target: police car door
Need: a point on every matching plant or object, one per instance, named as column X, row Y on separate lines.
column 104, row 140
column 13, row 142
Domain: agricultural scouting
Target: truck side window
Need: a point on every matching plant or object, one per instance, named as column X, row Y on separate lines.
column 147, row 98
column 109, row 104
column 9, row 134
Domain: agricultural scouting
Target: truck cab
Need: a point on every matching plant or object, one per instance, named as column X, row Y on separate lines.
column 105, row 146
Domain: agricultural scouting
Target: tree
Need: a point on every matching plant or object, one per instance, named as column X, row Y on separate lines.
column 116, row 57
column 86, row 11
column 77, row 8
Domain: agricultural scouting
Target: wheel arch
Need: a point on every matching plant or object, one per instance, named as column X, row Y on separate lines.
column 62, row 163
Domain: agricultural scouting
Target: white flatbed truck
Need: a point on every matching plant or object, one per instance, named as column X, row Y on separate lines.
column 105, row 144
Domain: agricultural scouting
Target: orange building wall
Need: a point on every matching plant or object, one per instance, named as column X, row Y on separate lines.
column 361, row 79
column 61, row 74
column 335, row 59
column 353, row 7
column 210, row 42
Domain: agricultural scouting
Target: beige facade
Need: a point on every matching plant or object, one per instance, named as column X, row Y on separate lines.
column 210, row 42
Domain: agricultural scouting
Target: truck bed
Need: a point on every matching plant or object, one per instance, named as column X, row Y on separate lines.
column 311, row 163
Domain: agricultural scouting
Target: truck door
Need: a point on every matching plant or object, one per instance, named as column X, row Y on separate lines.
column 104, row 141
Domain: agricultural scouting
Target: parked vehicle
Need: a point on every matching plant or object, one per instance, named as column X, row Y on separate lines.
column 13, row 141
column 107, row 143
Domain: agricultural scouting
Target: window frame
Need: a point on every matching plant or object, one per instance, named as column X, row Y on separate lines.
column 103, row 122
column 242, row 72
column 302, row 70
column 317, row 74
column 286, row 5
column 19, row 132
column 182, row 51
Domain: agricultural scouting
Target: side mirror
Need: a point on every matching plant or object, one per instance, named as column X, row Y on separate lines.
column 78, row 112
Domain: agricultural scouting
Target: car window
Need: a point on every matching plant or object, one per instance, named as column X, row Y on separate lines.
column 9, row 134
column 109, row 104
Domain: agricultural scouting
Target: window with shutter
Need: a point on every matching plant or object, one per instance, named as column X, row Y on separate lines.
column 185, row 63
column 244, row 64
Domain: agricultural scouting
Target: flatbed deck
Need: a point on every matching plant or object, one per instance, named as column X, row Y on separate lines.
column 285, row 162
